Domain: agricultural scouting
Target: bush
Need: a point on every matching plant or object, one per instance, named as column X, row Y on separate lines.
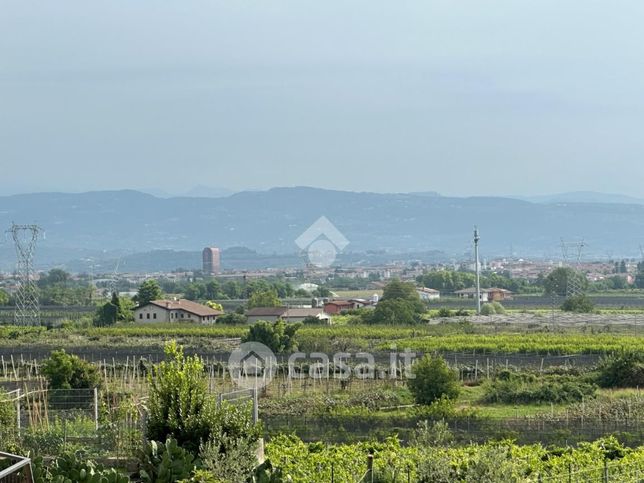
column 231, row 318
column 492, row 308
column 68, row 371
column 278, row 336
column 579, row 304
column 524, row 388
column 178, row 400
column 487, row 309
column 444, row 312
column 181, row 408
column 7, row 417
column 432, row 380
column 622, row 370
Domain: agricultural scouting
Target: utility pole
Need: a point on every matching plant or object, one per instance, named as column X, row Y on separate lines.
column 478, row 271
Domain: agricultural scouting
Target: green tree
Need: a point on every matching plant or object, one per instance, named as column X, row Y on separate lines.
column 278, row 336
column 400, row 304
column 68, row 371
column 579, row 304
column 148, row 291
column 622, row 370
column 557, row 281
column 118, row 309
column 4, row 298
column 433, row 380
column 55, row 276
column 393, row 312
column 264, row 298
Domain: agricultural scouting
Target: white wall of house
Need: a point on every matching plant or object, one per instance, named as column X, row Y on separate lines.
column 153, row 313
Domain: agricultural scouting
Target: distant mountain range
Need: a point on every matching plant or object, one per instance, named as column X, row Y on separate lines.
column 108, row 225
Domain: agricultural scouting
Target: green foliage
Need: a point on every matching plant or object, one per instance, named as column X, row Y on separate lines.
column 228, row 458
column 231, row 318
column 74, row 468
column 487, row 309
column 394, row 312
column 557, row 281
column 625, row 369
column 7, row 417
column 4, row 298
column 116, row 310
column 428, row 434
column 178, row 404
column 278, row 336
column 181, row 408
column 400, row 305
column 68, row 371
column 579, row 304
column 397, row 290
column 451, row 280
column 264, row 298
column 148, row 291
column 432, row 380
column 492, row 308
column 525, row 388
column 165, row 463
column 215, row 305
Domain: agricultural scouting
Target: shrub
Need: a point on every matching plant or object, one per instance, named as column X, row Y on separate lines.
column 622, row 370
column 444, row 312
column 231, row 318
column 68, row 371
column 498, row 308
column 579, row 304
column 178, row 400
column 278, row 336
column 432, row 380
column 487, row 309
column 524, row 388
column 7, row 417
column 181, row 408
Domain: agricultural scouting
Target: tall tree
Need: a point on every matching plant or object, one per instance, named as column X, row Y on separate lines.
column 264, row 298
column 148, row 291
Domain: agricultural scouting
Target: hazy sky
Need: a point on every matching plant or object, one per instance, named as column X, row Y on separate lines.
column 461, row 96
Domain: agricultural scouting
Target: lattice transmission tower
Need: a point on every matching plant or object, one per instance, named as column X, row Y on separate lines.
column 27, row 308
column 571, row 252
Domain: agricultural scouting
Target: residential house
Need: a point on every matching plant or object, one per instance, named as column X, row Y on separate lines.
column 175, row 311
column 427, row 294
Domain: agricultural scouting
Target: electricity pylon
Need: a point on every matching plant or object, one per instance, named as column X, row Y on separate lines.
column 27, row 310
column 568, row 251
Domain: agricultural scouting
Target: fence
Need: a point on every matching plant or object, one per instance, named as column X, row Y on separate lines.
column 526, row 430
column 15, row 469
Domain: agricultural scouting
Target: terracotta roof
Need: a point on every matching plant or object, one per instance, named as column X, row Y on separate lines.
column 339, row 302
column 266, row 311
column 187, row 306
